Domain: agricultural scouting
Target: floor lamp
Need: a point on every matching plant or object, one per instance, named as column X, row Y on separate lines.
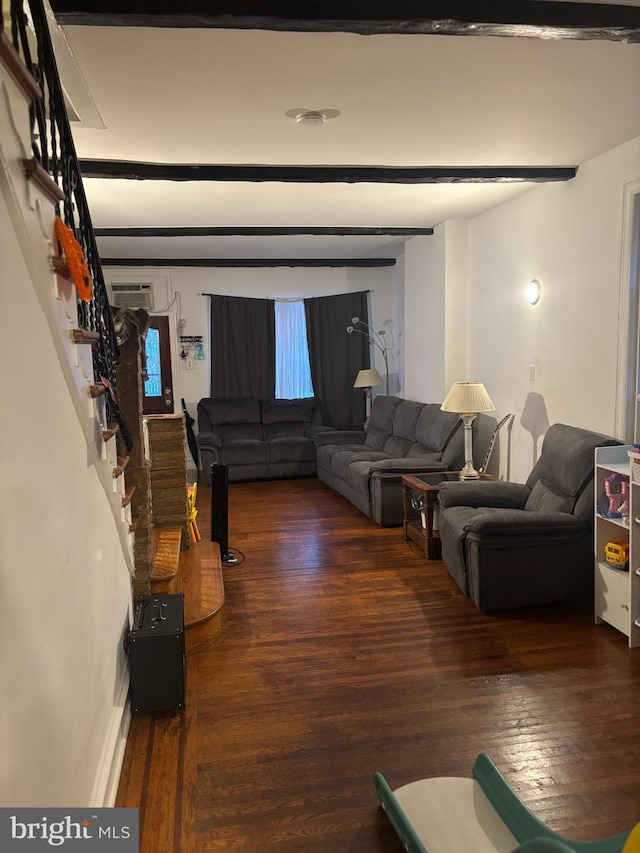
column 367, row 379
column 376, row 339
column 468, row 399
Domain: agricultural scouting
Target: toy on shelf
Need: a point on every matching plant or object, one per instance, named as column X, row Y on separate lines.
column 482, row 814
column 616, row 552
column 614, row 503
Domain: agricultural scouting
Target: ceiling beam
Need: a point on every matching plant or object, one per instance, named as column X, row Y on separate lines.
column 526, row 18
column 324, row 174
column 238, row 231
column 247, row 262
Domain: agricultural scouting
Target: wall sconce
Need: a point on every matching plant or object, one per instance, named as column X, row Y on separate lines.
column 533, row 292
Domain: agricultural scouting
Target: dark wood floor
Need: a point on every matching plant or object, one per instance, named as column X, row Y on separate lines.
column 345, row 652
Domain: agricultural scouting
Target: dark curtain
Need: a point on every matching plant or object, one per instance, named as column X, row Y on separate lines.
column 336, row 356
column 243, row 347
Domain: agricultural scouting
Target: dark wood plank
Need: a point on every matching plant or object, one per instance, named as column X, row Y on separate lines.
column 530, row 18
column 248, row 262
column 345, row 652
column 251, row 231
column 136, row 171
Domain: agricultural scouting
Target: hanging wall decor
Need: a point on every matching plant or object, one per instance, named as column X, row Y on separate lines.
column 191, row 347
column 75, row 260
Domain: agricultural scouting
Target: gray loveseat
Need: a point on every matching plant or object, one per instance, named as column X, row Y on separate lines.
column 259, row 440
column 519, row 544
column 402, row 437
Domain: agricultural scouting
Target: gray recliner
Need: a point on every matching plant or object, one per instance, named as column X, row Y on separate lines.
column 513, row 545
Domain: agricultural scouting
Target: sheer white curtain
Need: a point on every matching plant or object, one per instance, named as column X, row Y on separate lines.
column 293, row 374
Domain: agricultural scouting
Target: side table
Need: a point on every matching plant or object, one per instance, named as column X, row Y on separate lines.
column 419, row 499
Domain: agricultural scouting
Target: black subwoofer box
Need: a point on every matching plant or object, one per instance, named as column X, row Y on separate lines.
column 155, row 645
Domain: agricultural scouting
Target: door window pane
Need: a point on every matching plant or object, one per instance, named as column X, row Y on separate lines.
column 153, row 385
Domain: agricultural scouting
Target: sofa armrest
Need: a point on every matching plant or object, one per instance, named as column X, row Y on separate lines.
column 513, row 522
column 209, row 440
column 483, row 493
column 413, row 465
column 341, row 436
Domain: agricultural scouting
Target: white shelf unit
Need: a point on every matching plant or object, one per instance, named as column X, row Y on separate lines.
column 617, row 592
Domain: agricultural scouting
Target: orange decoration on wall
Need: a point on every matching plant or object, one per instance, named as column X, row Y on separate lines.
column 75, row 259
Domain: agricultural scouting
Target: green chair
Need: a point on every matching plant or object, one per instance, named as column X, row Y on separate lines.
column 478, row 815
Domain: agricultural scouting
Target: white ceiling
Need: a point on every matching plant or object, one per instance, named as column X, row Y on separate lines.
column 216, row 96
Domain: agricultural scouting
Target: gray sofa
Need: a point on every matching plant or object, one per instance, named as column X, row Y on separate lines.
column 259, row 440
column 402, row 437
column 519, row 544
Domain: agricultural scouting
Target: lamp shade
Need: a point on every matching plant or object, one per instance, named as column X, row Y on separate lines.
column 367, row 378
column 467, row 398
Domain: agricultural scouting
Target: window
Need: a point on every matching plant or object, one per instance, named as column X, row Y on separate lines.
column 293, row 373
column 153, row 383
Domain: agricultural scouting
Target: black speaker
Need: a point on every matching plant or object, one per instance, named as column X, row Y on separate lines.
column 220, row 511
column 155, row 646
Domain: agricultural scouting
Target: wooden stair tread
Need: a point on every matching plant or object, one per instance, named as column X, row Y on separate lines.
column 128, row 495
column 200, row 579
column 83, row 336
column 111, row 430
column 123, row 461
column 202, row 583
column 166, row 553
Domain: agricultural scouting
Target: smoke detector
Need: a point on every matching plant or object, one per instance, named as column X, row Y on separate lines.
column 311, row 118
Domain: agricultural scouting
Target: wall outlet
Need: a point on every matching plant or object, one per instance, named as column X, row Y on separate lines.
column 532, row 373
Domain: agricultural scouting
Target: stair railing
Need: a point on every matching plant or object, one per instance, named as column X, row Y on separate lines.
column 54, row 149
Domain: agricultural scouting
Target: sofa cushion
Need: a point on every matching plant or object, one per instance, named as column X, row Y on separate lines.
column 545, row 497
column 288, row 411
column 380, row 425
column 325, row 453
column 419, row 450
column 284, row 428
column 238, row 432
column 359, row 476
column 567, row 457
column 343, row 458
column 244, row 451
column 397, row 446
column 292, row 448
column 435, row 427
column 405, row 419
column 231, row 410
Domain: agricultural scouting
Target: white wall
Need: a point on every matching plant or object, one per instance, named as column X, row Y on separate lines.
column 264, row 283
column 456, row 304
column 424, row 321
column 569, row 237
column 65, row 586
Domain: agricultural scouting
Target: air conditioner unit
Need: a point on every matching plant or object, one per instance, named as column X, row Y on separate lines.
column 132, row 295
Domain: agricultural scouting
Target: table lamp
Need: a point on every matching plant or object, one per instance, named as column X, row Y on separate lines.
column 367, row 379
column 468, row 399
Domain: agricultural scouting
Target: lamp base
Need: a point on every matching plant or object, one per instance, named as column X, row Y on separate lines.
column 468, row 472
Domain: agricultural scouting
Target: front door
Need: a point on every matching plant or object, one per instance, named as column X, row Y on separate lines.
column 158, row 388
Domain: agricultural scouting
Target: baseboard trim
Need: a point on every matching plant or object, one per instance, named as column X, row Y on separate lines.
column 107, row 780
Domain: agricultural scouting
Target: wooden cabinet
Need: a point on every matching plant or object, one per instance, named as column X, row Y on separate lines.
column 617, row 522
